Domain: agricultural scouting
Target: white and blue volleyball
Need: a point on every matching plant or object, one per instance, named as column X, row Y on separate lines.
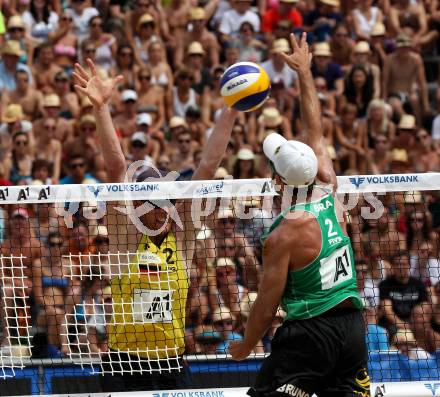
column 245, row 86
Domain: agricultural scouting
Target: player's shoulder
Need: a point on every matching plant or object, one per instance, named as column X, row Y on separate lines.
column 291, row 226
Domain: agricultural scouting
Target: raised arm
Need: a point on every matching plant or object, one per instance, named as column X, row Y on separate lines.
column 100, row 92
column 215, row 148
column 300, row 61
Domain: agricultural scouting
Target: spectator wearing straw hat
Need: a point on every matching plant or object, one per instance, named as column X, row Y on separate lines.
column 276, row 68
column 403, row 70
column 145, row 35
column 198, row 33
column 399, row 161
column 51, row 108
column 271, row 120
column 406, row 133
column 16, row 31
column 361, row 56
column 244, row 166
column 322, row 65
column 378, row 44
column 11, row 53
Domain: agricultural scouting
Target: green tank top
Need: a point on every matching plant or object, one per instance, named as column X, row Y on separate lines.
column 331, row 277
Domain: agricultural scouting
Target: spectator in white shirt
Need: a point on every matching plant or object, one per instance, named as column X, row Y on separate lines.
column 81, row 15
column 275, row 66
column 234, row 18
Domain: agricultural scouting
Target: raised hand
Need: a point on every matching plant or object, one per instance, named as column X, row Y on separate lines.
column 301, row 57
column 97, row 90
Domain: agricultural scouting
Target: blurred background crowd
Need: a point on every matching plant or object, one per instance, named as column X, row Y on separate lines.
column 376, row 72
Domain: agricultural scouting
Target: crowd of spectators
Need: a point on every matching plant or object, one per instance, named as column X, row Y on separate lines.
column 375, row 65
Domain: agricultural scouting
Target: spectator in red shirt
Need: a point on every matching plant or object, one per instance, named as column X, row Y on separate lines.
column 286, row 11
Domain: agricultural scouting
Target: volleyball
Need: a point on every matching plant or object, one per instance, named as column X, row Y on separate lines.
column 245, row 86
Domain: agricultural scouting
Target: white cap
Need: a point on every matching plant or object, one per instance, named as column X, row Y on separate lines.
column 129, row 95
column 294, row 161
column 143, row 118
column 140, row 136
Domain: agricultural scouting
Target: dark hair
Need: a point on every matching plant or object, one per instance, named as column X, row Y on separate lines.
column 410, row 233
column 41, row 163
column 52, row 235
column 121, row 48
column 46, row 11
column 367, row 89
column 14, row 157
column 399, row 254
column 340, row 25
column 93, row 18
column 237, row 168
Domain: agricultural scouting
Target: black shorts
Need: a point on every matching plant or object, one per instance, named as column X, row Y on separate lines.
column 325, row 355
column 117, row 377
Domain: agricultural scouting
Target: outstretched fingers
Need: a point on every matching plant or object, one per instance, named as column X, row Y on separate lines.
column 92, row 67
column 81, row 72
column 79, row 80
column 294, row 42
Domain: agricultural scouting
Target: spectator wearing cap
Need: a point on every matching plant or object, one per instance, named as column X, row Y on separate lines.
column 322, row 19
column 341, row 46
column 69, row 104
column 286, row 10
column 403, row 70
column 65, row 42
column 322, row 65
column 145, row 34
column 105, row 43
column 51, row 108
column 251, row 49
column 199, row 33
column 144, row 124
column 151, row 95
column 45, row 68
column 224, row 323
column 16, row 31
column 400, row 162
column 125, row 122
column 225, row 227
column 40, row 20
column 358, row 89
column 233, row 18
column 365, row 16
column 361, row 56
column 11, row 53
column 48, row 148
column 138, row 152
column 183, row 95
column 25, row 94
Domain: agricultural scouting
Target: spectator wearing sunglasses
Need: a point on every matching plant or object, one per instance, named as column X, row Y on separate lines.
column 224, row 323
column 183, row 94
column 78, row 172
column 105, row 43
column 183, row 158
column 69, row 103
column 81, row 15
column 19, row 164
column 138, row 151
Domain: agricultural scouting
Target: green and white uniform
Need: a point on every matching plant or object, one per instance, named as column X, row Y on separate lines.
column 331, row 277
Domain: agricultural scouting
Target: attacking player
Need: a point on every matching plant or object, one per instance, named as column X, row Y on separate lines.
column 309, row 267
column 146, row 335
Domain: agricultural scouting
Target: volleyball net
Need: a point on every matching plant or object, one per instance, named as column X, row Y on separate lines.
column 86, row 293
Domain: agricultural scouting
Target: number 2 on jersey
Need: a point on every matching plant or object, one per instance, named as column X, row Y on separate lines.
column 330, row 231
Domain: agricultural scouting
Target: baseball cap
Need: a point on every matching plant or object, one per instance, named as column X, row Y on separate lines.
column 143, row 118
column 129, row 95
column 294, row 161
column 140, row 136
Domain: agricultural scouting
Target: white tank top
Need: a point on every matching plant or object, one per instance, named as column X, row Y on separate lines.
column 179, row 107
column 366, row 24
